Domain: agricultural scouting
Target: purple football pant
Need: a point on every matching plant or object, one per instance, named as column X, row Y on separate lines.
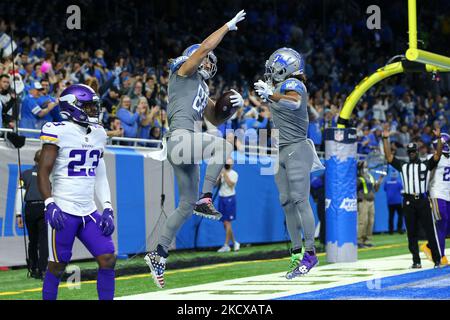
column 441, row 213
column 86, row 230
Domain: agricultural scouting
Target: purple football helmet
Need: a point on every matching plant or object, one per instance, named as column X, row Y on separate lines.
column 445, row 138
column 80, row 103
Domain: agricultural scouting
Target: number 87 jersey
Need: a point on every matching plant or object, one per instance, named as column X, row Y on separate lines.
column 73, row 176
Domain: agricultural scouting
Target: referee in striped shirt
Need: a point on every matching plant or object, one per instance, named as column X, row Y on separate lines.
column 416, row 204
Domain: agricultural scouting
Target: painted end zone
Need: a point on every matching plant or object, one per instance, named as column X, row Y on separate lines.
column 433, row 284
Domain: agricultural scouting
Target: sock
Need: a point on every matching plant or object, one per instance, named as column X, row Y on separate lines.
column 105, row 284
column 161, row 252
column 296, row 251
column 50, row 286
column 311, row 253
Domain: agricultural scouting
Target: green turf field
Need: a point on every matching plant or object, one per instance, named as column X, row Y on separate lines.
column 15, row 285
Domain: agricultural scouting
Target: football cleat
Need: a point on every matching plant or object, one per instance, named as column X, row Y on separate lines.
column 293, row 264
column 425, row 249
column 157, row 265
column 205, row 208
column 308, row 262
column 416, row 265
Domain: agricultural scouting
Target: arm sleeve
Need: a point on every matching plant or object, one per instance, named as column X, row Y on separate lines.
column 102, row 189
column 431, row 163
column 397, row 164
column 19, row 201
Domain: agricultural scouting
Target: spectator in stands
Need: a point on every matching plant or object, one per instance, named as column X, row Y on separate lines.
column 32, row 116
column 135, row 92
column 6, row 100
column 404, row 138
column 393, row 188
column 128, row 119
column 115, row 128
column 380, row 107
column 227, row 204
column 109, row 104
column 155, row 134
column 146, row 118
column 365, row 140
column 46, row 100
column 366, row 188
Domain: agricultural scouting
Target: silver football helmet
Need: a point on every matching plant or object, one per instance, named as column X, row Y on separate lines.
column 212, row 59
column 283, row 63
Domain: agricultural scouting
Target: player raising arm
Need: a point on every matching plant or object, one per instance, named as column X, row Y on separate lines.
column 187, row 145
column 71, row 170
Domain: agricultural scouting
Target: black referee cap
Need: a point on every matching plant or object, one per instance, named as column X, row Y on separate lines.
column 412, row 147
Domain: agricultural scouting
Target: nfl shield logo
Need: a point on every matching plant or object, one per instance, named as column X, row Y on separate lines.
column 339, row 135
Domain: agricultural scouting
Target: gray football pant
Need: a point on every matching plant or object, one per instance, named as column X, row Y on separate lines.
column 185, row 150
column 293, row 181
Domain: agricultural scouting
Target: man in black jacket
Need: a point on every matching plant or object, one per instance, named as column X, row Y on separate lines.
column 34, row 219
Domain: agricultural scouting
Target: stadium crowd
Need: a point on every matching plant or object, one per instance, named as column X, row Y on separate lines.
column 125, row 61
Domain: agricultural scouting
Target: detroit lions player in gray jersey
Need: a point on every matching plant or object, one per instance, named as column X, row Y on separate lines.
column 187, row 146
column 286, row 94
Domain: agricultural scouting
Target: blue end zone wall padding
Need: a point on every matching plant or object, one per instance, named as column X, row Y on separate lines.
column 130, row 200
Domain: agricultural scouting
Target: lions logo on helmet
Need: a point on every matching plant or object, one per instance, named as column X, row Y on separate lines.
column 204, row 72
column 80, row 103
column 283, row 63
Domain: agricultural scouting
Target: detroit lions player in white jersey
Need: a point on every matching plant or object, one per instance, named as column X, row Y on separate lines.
column 71, row 171
column 440, row 198
column 287, row 96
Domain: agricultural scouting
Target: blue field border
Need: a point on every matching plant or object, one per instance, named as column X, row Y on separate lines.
column 431, row 284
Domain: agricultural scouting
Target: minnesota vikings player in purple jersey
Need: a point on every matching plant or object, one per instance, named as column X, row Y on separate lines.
column 440, row 199
column 71, row 171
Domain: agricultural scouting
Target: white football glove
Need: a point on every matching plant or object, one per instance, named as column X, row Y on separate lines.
column 233, row 22
column 236, row 99
column 263, row 90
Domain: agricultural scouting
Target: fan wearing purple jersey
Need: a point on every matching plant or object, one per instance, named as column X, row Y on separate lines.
column 71, row 171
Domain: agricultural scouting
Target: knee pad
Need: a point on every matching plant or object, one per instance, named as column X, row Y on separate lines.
column 56, row 268
column 107, row 261
column 297, row 198
column 284, row 200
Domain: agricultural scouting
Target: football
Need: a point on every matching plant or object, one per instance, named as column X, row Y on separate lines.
column 222, row 111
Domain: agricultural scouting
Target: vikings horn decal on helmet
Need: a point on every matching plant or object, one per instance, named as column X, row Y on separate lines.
column 445, row 138
column 283, row 63
column 80, row 103
column 206, row 74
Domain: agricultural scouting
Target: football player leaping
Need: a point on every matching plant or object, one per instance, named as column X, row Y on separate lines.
column 186, row 145
column 72, row 154
column 286, row 94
